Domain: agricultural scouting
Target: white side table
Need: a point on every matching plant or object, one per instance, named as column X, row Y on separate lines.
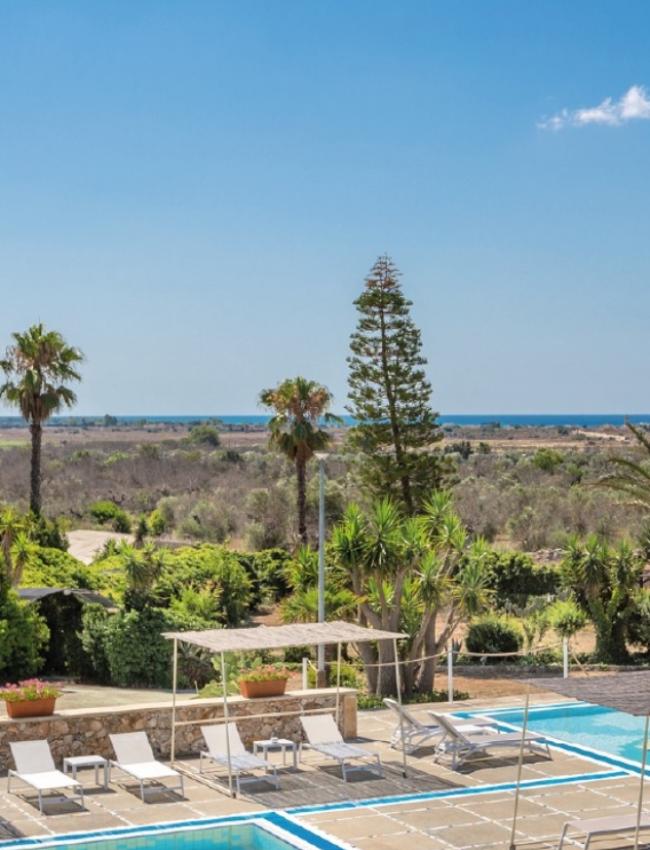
column 75, row 762
column 282, row 744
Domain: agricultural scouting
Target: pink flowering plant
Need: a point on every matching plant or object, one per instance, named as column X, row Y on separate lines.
column 264, row 674
column 29, row 690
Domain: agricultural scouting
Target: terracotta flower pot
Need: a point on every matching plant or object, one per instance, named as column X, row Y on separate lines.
column 269, row 688
column 31, row 707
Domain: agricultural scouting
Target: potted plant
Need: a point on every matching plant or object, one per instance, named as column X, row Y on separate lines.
column 263, row 682
column 30, row 698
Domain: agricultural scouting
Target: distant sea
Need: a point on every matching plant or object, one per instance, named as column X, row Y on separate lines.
column 512, row 420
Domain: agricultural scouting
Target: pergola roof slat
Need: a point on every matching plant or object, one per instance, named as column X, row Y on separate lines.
column 281, row 637
column 628, row 692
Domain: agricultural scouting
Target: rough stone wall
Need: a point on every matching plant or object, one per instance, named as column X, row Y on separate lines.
column 86, row 731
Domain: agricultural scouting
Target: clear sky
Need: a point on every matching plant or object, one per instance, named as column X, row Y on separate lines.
column 193, row 192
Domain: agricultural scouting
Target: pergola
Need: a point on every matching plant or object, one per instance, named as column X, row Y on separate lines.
column 626, row 692
column 221, row 641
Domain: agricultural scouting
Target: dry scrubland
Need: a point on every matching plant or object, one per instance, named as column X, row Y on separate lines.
column 519, row 487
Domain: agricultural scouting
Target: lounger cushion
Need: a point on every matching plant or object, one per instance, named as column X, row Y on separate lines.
column 247, row 761
column 343, row 751
column 50, row 779
column 148, row 770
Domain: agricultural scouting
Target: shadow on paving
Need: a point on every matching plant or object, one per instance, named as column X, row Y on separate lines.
column 323, row 784
column 7, row 831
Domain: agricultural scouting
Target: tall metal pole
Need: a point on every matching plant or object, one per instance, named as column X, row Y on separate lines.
column 174, row 688
column 322, row 679
column 398, row 687
column 641, row 781
column 338, row 683
column 520, row 764
column 224, row 690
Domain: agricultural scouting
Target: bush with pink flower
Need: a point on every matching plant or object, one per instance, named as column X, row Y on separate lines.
column 30, row 690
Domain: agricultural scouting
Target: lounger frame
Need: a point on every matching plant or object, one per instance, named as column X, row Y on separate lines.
column 241, row 761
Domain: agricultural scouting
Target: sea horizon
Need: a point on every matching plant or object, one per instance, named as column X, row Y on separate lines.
column 553, row 420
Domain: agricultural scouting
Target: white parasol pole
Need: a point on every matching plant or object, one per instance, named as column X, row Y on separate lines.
column 641, row 783
column 224, row 688
column 520, row 765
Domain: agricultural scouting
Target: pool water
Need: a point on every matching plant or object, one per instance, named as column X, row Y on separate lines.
column 590, row 726
column 233, row 837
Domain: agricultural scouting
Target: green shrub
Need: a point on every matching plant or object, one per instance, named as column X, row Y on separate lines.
column 211, row 567
column 156, row 523
column 639, row 625
column 130, row 649
column 566, row 618
column 547, row 460
column 266, row 570
column 514, row 576
column 104, row 511
column 54, row 568
column 48, row 532
column 122, row 522
column 23, row 637
column 94, row 637
column 494, row 634
column 351, row 676
column 204, row 435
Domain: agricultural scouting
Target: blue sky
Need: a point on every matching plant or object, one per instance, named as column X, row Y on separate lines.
column 193, row 192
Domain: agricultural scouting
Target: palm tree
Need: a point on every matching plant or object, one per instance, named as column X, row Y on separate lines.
column 300, row 406
column 630, row 477
column 38, row 367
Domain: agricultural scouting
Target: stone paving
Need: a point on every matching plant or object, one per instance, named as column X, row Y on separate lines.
column 480, row 820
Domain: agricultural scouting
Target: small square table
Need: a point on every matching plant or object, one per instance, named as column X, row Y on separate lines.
column 282, row 744
column 75, row 762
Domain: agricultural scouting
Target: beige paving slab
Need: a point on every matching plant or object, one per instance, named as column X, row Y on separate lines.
column 473, row 835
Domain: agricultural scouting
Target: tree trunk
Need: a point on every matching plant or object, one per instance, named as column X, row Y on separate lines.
column 427, row 670
column 386, row 682
column 611, row 645
column 301, row 469
column 36, row 430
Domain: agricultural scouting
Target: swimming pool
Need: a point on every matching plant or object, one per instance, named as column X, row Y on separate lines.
column 245, row 836
column 588, row 727
column 261, row 831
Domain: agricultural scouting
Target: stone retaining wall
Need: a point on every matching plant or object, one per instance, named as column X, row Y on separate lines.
column 84, row 731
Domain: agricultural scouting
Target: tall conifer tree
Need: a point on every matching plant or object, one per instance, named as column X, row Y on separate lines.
column 396, row 432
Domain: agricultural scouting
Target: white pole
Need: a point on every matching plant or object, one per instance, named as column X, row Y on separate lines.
column 305, row 673
column 643, row 766
column 338, row 680
column 520, row 765
column 450, row 672
column 565, row 658
column 398, row 687
column 224, row 688
column 174, row 686
column 321, row 563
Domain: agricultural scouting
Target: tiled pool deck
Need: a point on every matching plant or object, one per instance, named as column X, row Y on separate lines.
column 434, row 807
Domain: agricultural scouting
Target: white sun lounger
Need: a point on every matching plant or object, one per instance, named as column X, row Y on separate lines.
column 241, row 761
column 603, row 826
column 323, row 736
column 134, row 756
column 416, row 733
column 35, row 767
column 461, row 744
